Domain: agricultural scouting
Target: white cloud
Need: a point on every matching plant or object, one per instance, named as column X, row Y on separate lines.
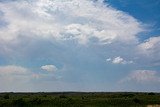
column 12, row 69
column 149, row 51
column 150, row 46
column 81, row 21
column 142, row 76
column 49, row 68
column 109, row 59
column 18, row 78
column 15, row 78
column 118, row 60
column 67, row 19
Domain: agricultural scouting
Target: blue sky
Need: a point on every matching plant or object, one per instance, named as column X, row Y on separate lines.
column 72, row 45
column 146, row 11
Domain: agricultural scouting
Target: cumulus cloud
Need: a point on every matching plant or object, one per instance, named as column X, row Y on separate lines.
column 109, row 59
column 149, row 51
column 53, row 27
column 58, row 21
column 14, row 78
column 84, row 20
column 150, row 46
column 12, row 69
column 142, row 76
column 49, row 68
column 18, row 78
column 118, row 60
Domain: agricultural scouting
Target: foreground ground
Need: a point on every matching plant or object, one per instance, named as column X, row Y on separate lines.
column 79, row 99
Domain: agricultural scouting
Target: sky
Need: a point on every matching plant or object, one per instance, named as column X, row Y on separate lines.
column 79, row 45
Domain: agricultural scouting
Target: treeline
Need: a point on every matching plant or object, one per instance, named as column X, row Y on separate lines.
column 79, row 99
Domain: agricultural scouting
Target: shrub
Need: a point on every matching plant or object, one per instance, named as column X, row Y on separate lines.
column 62, row 96
column 83, row 98
column 44, row 95
column 136, row 100
column 151, row 93
column 36, row 101
column 6, row 96
column 19, row 102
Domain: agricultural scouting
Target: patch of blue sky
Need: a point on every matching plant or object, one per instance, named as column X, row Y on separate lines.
column 146, row 11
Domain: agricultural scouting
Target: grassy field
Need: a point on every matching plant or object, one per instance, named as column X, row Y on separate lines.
column 79, row 99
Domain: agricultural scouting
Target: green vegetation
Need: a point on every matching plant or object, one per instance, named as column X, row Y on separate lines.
column 78, row 99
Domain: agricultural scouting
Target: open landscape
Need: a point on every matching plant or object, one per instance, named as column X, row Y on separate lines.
column 79, row 53
column 80, row 99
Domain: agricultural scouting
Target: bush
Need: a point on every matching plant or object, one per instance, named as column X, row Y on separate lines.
column 136, row 100
column 6, row 96
column 19, row 102
column 36, row 101
column 128, row 95
column 83, row 98
column 62, row 96
column 151, row 93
